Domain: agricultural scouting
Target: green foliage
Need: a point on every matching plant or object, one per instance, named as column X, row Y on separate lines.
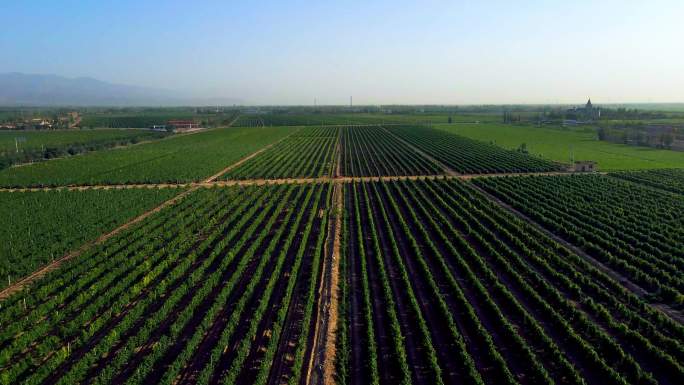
column 179, row 159
column 34, row 146
column 306, row 153
column 636, row 231
column 38, row 227
column 557, row 144
column 470, row 156
column 666, row 179
column 374, row 151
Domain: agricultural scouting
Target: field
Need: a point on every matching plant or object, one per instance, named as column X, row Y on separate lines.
column 306, row 153
column 444, row 286
column 145, row 119
column 372, row 151
column 470, row 156
column 338, row 254
column 167, row 283
column 276, row 119
column 178, row 159
column 560, row 145
column 667, row 179
column 634, row 230
column 18, row 147
column 37, row 227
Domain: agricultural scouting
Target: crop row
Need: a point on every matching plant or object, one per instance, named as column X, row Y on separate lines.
column 442, row 286
column 470, row 156
column 373, row 151
column 37, row 227
column 177, row 159
column 667, row 179
column 144, row 120
column 636, row 231
column 198, row 293
column 35, row 146
column 307, row 153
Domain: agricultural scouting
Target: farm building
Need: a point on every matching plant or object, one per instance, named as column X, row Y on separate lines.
column 583, row 166
column 182, row 125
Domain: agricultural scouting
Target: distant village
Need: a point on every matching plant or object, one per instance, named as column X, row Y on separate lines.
column 615, row 125
column 62, row 121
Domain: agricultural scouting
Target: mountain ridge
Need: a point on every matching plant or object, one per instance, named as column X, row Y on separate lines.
column 18, row 88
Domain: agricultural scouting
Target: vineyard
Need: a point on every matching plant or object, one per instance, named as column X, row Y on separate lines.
column 177, row 159
column 372, row 151
column 37, row 227
column 306, row 153
column 669, row 179
column 442, row 286
column 200, row 294
column 17, row 147
column 148, row 119
column 634, row 230
column 469, row 156
column 301, row 119
column 338, row 254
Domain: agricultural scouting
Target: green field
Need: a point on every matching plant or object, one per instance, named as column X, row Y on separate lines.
column 311, row 119
column 18, row 147
column 559, row 144
column 147, row 119
column 29, row 140
column 179, row 159
column 36, row 227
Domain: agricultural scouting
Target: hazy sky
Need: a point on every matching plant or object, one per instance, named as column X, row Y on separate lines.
column 288, row 52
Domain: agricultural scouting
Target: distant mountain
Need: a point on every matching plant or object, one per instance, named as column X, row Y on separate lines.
column 52, row 90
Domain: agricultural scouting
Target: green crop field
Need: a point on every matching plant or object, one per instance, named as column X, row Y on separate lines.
column 275, row 119
column 558, row 145
column 306, row 153
column 18, row 147
column 370, row 254
column 666, row 179
column 470, row 156
column 56, row 138
column 37, row 227
column 179, row 159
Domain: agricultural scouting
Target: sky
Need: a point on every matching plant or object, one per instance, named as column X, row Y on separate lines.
column 379, row 52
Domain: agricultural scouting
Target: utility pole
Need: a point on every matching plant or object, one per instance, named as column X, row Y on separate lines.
column 350, row 102
column 572, row 155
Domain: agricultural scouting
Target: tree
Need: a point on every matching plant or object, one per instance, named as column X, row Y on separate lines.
column 602, row 133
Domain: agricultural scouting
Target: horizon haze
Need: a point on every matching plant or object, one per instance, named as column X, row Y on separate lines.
column 432, row 52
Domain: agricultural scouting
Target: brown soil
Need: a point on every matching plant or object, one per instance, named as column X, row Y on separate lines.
column 211, row 181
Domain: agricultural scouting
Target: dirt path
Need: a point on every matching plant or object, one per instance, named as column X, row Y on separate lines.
column 321, row 368
column 448, row 170
column 211, row 181
column 624, row 281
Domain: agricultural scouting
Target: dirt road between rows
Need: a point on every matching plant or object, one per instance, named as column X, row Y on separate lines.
column 321, row 366
column 211, row 181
